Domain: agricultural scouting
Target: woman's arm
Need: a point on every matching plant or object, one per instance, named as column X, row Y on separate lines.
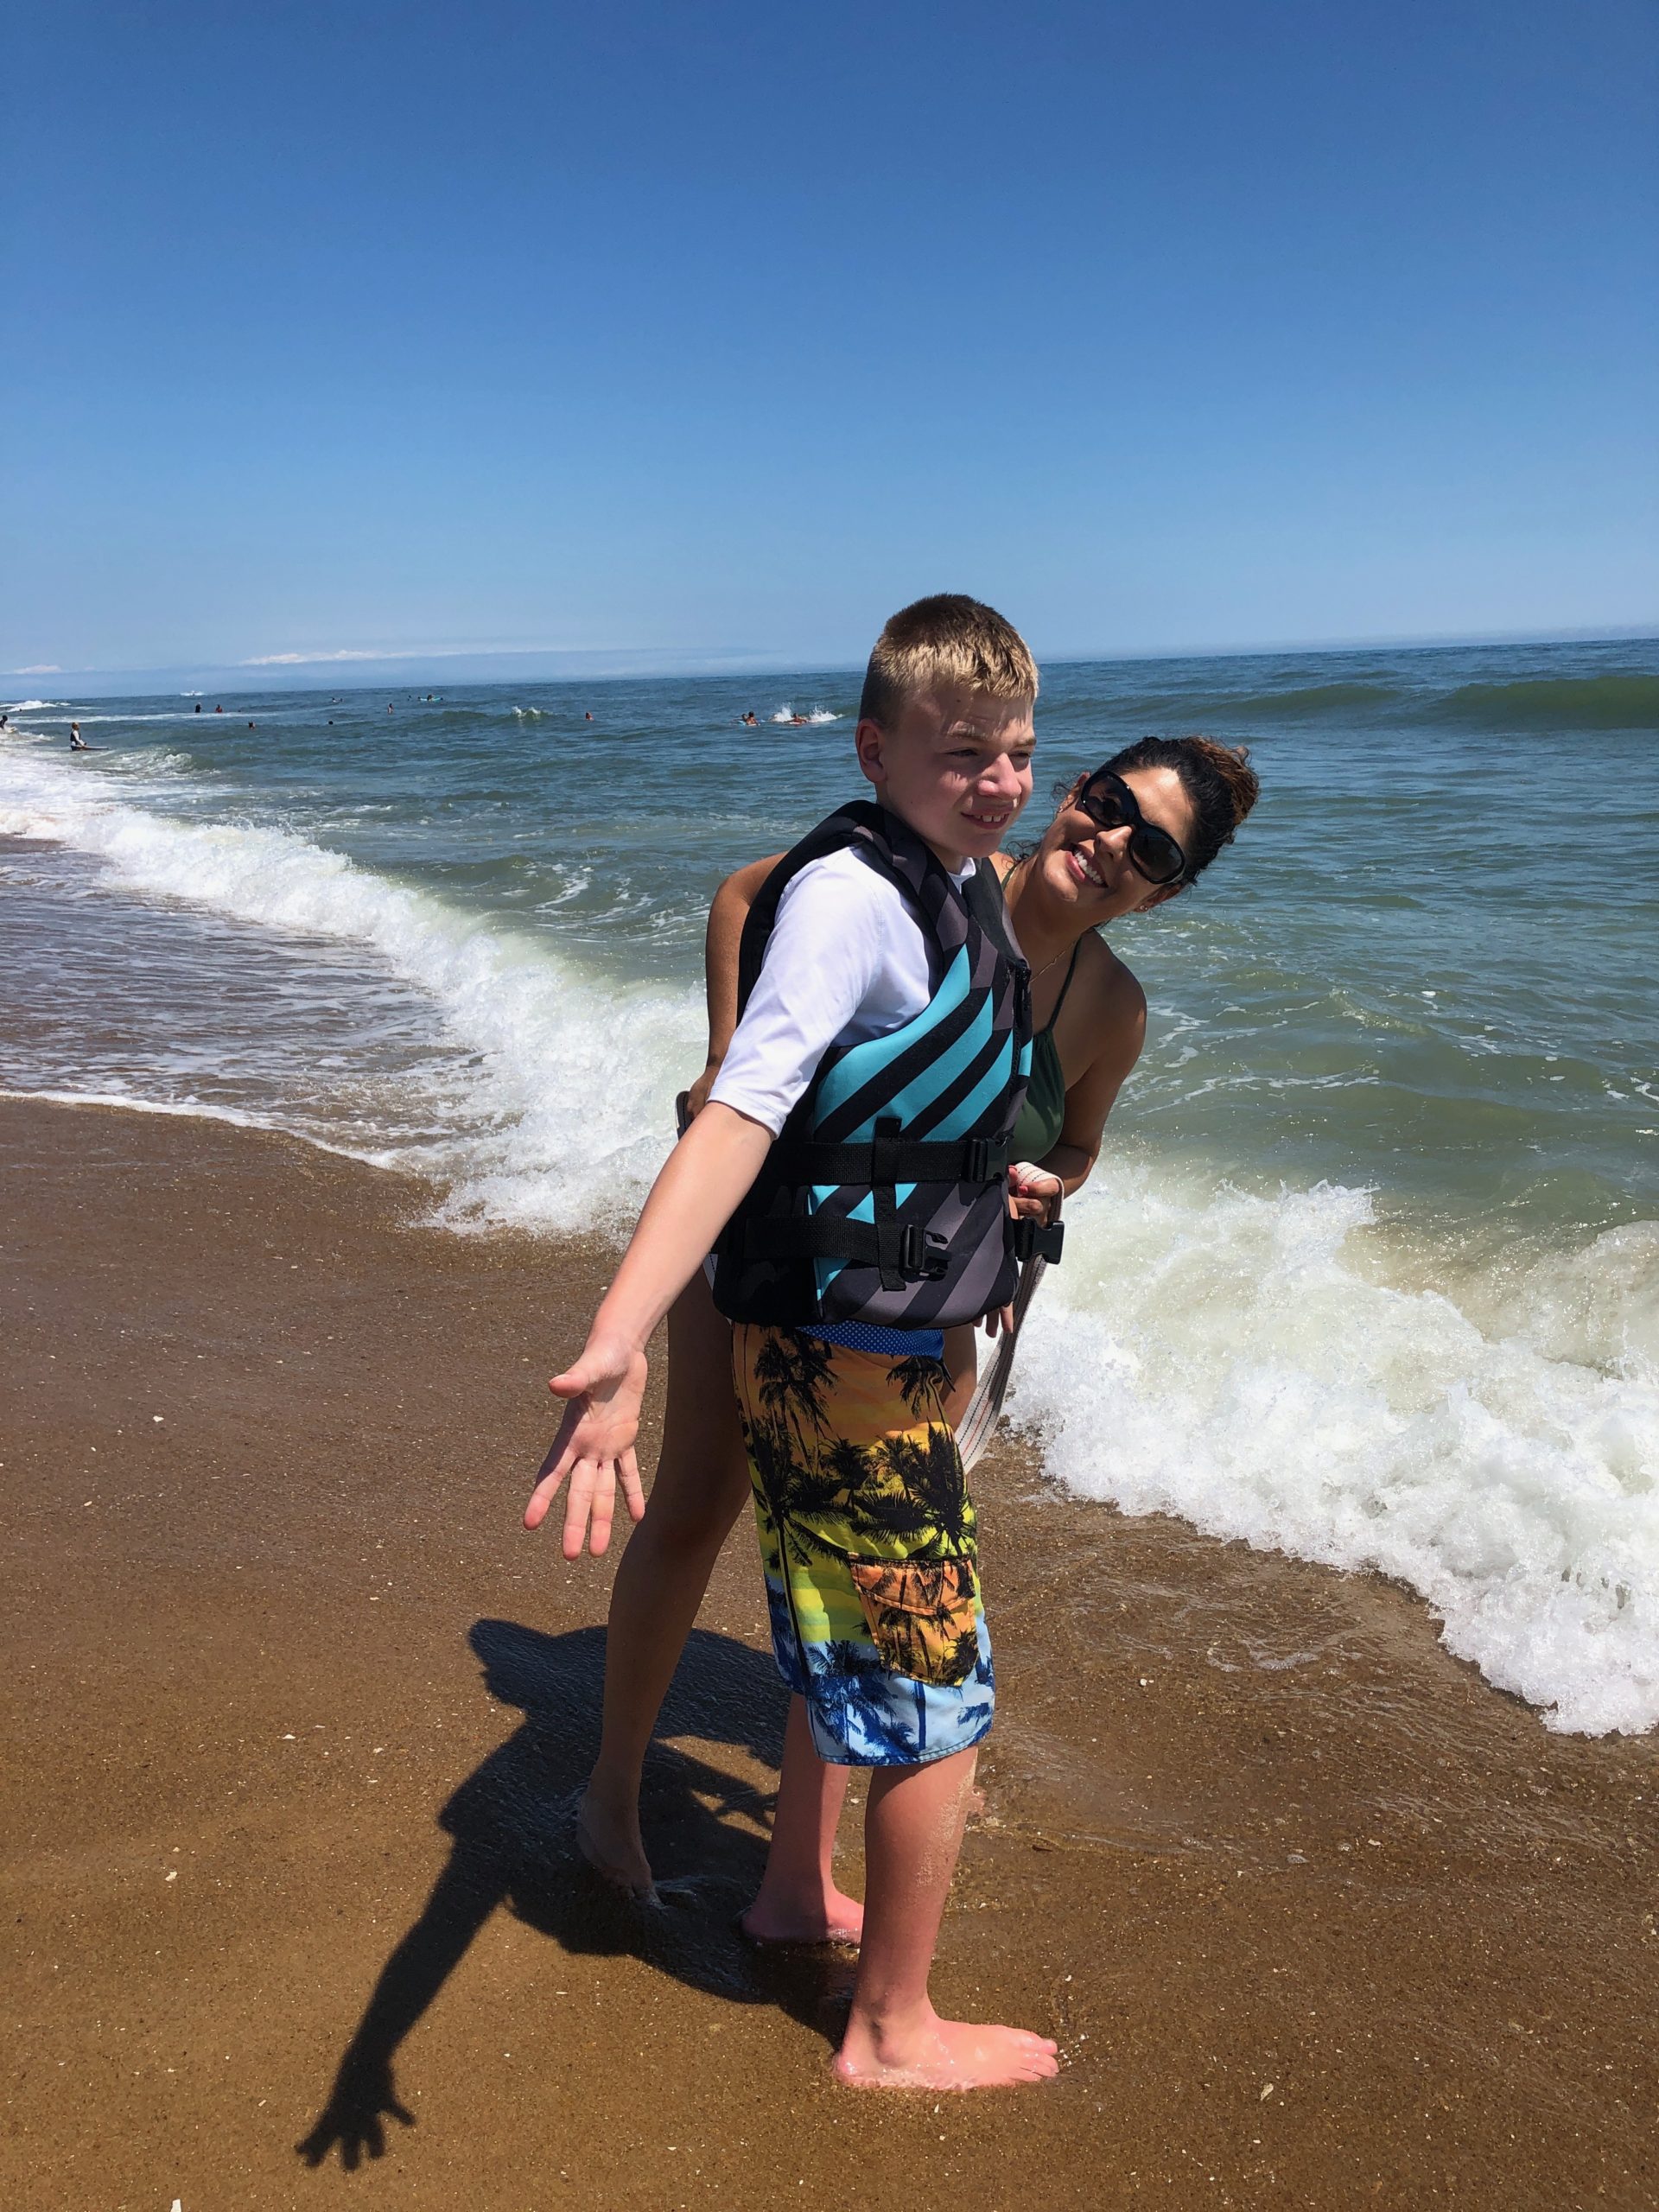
column 727, row 916
column 1115, row 1013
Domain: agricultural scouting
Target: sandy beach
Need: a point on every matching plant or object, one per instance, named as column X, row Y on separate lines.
column 297, row 1710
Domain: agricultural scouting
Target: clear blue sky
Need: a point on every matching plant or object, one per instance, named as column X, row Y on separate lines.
column 1165, row 325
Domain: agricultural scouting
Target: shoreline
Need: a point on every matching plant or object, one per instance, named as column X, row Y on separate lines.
column 1318, row 1915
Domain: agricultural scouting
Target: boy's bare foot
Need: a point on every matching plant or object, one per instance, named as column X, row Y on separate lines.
column 826, row 1917
column 613, row 1848
column 938, row 2054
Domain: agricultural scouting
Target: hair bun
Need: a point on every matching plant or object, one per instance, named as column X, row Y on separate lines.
column 1232, row 764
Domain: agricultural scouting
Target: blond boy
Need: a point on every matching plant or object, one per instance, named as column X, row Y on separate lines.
column 851, row 1171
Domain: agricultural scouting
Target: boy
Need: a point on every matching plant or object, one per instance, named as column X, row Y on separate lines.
column 851, row 1169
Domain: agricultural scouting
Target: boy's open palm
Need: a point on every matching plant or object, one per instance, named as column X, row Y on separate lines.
column 594, row 1445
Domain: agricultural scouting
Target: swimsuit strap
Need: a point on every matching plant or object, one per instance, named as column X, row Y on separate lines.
column 1065, row 986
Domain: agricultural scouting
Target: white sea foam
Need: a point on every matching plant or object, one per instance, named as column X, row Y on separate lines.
column 1270, row 1368
column 574, row 1075
column 197, row 1110
column 788, row 714
column 28, row 706
column 1247, row 1363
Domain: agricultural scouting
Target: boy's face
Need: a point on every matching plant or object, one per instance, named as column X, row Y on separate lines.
column 956, row 766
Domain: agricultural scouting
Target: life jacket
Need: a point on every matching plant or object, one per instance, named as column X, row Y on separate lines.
column 884, row 1199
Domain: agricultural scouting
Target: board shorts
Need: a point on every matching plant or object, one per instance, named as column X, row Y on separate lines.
column 868, row 1543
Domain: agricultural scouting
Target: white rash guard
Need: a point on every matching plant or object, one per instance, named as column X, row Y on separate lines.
column 846, row 961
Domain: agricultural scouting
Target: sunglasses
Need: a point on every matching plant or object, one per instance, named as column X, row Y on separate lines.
column 1109, row 801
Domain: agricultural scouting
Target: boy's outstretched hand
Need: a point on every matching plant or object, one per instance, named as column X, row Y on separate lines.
column 594, row 1445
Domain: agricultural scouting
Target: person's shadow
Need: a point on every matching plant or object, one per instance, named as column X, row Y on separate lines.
column 514, row 1830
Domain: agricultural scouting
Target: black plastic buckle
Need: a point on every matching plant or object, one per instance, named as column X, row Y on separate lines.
column 976, row 1161
column 1038, row 1240
column 924, row 1255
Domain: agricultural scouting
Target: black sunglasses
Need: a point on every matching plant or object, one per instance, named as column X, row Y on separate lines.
column 1108, row 800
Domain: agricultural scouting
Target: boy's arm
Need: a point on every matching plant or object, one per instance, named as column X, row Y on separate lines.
column 821, row 959
column 707, row 1174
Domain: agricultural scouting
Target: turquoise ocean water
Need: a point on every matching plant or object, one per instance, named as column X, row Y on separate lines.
column 1370, row 1269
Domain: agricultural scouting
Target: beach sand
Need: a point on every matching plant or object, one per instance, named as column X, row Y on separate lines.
column 297, row 1710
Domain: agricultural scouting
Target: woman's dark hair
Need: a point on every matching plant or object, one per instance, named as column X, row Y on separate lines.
column 1217, row 778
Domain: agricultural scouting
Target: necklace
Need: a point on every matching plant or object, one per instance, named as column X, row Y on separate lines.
column 1064, row 949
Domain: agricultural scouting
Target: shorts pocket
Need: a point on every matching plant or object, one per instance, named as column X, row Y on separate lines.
column 922, row 1616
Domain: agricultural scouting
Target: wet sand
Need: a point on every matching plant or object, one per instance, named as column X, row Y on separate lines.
column 296, row 1711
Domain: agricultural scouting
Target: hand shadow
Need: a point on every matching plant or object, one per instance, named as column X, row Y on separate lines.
column 513, row 1821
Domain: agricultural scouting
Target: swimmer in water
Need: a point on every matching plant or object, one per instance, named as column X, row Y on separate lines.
column 77, row 742
column 197, row 706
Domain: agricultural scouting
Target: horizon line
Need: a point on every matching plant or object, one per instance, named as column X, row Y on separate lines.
column 756, row 660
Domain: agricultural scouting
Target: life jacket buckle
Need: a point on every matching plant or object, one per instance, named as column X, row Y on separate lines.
column 924, row 1255
column 976, row 1161
column 1039, row 1240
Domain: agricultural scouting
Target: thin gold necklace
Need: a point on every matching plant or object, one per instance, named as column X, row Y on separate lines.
column 1060, row 955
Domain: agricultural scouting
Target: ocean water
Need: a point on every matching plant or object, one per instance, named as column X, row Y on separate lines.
column 1369, row 1268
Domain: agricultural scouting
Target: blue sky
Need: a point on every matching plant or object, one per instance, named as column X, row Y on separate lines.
column 417, row 328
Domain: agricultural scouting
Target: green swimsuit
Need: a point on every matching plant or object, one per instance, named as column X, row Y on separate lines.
column 1043, row 1116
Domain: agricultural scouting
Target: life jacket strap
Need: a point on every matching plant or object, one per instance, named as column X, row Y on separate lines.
column 921, row 1159
column 915, row 1254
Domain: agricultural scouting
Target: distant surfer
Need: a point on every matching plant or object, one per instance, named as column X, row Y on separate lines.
column 219, row 710
column 749, row 721
column 197, row 706
column 588, row 716
column 77, row 742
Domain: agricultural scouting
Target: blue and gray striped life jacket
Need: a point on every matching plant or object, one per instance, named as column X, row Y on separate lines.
column 884, row 1199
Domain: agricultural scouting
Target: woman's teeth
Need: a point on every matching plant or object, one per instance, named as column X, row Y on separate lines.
column 1088, row 871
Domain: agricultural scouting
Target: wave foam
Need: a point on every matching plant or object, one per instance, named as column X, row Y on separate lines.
column 1263, row 1367
column 1234, row 1360
column 192, row 1110
column 573, row 1076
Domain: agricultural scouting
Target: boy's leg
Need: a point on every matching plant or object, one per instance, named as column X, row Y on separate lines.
column 798, row 1901
column 961, row 1366
column 701, row 1486
column 894, row 2038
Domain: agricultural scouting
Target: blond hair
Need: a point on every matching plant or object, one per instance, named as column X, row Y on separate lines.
column 948, row 638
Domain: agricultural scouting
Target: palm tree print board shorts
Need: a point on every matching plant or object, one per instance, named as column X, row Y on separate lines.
column 868, row 1541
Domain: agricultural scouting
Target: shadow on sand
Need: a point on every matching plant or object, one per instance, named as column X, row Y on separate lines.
column 513, row 1822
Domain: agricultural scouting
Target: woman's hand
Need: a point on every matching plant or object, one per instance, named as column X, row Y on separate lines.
column 697, row 1096
column 594, row 1445
column 1031, row 1190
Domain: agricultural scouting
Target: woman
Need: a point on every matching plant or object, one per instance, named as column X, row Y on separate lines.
column 1127, row 838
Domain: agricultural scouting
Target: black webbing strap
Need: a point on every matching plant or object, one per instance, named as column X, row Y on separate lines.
column 810, row 1236
column 918, row 1255
column 911, row 1159
column 884, row 1196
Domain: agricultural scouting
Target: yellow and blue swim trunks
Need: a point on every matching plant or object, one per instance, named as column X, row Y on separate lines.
column 868, row 1540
